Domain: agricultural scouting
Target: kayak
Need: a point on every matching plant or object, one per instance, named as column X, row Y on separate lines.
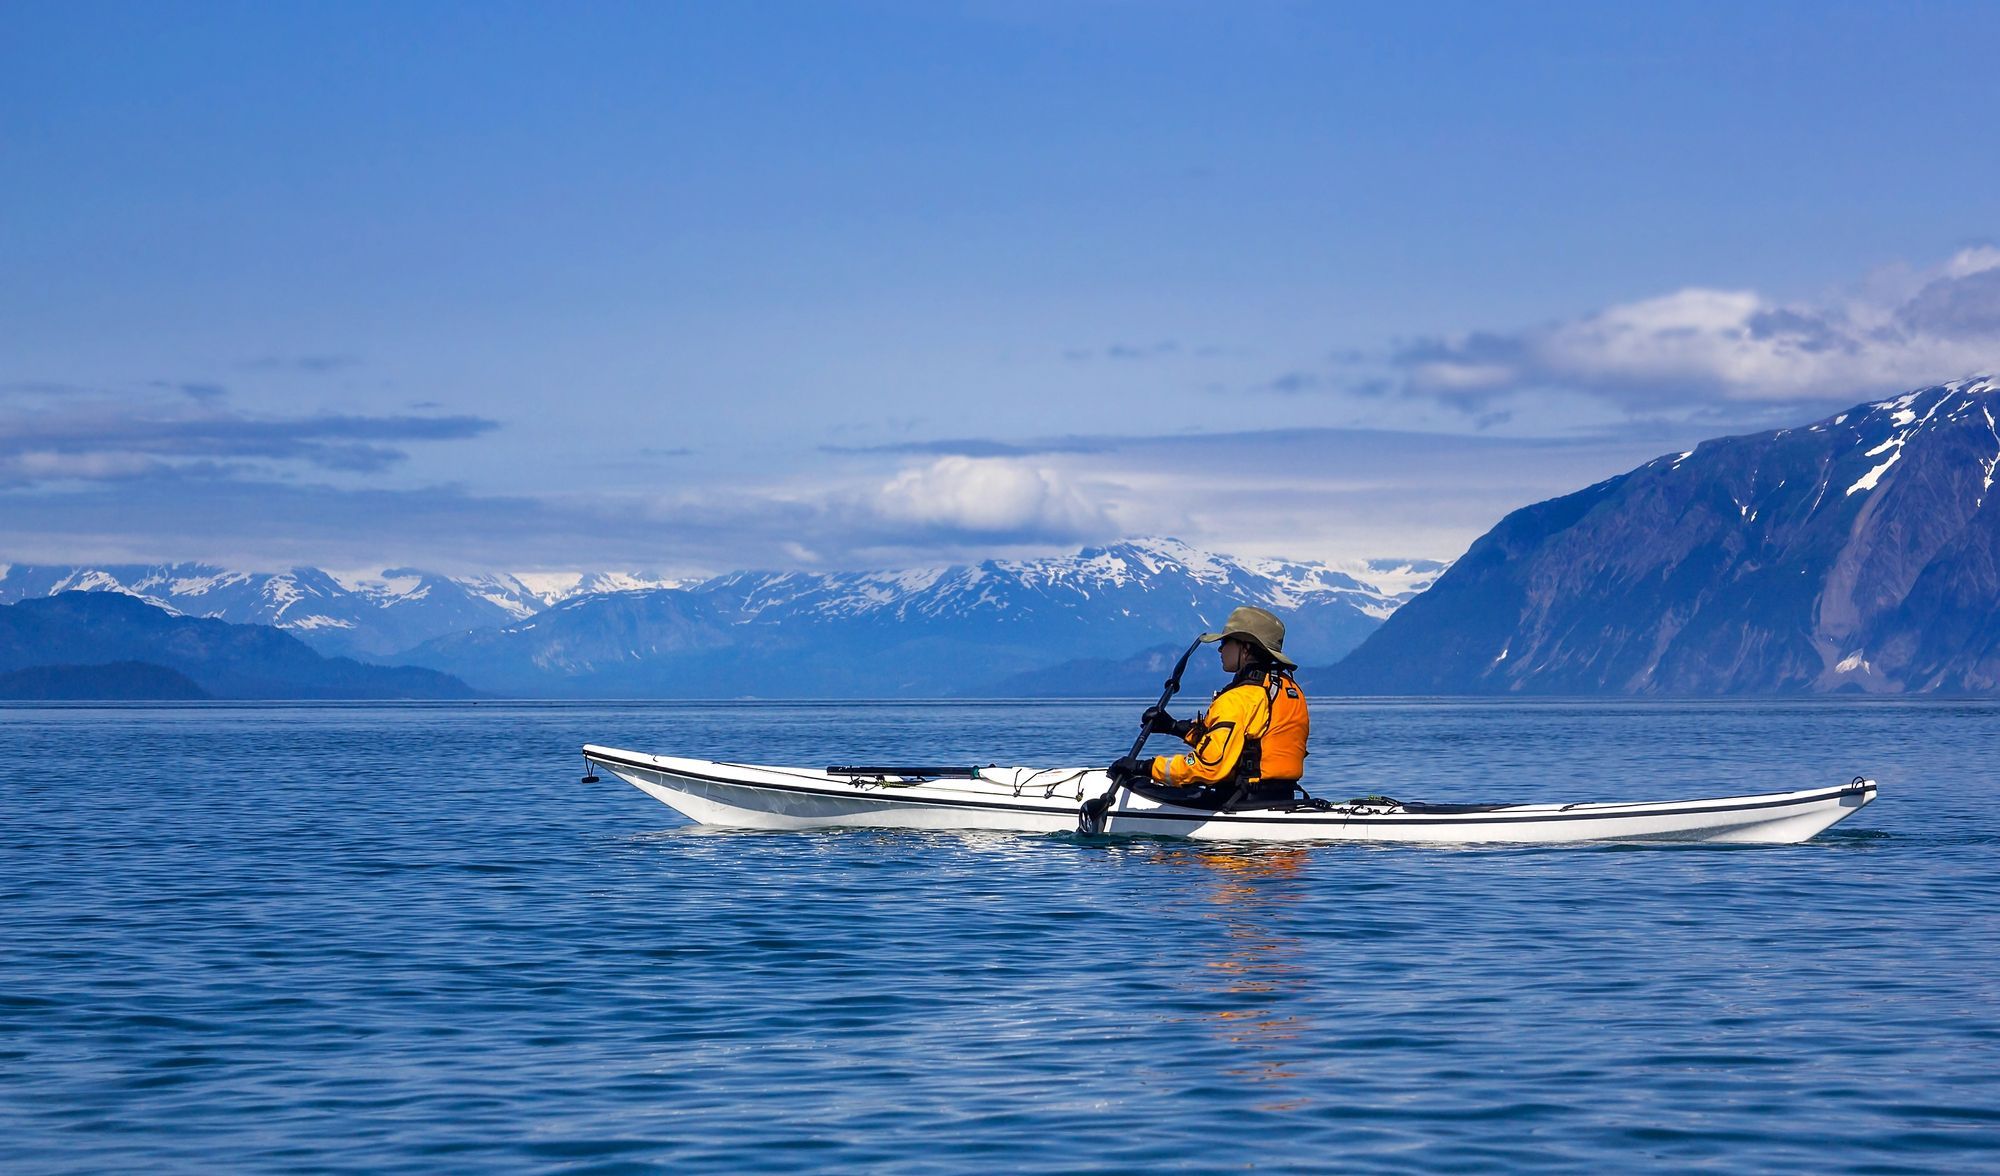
column 1047, row 800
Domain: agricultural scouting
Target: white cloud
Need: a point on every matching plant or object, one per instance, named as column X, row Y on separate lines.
column 1976, row 260
column 989, row 495
column 1706, row 345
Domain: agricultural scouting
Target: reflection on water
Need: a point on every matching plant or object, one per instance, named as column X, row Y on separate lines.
column 1258, row 968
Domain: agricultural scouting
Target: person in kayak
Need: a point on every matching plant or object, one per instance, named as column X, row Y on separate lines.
column 1249, row 746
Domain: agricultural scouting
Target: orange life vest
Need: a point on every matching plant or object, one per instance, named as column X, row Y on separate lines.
column 1254, row 730
column 1281, row 750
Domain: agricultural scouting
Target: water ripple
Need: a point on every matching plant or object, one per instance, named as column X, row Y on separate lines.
column 404, row 939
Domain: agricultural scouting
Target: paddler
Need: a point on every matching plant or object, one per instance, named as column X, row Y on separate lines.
column 1249, row 747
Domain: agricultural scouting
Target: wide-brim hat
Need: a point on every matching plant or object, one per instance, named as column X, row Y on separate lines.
column 1259, row 628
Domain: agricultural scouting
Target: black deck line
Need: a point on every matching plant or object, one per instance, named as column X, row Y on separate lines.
column 1287, row 818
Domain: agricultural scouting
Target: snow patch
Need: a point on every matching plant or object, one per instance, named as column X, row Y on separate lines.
column 511, row 605
column 201, row 585
column 379, row 588
column 90, row 581
column 627, row 582
column 1903, row 418
column 1396, row 580
column 548, row 586
column 1991, row 461
column 282, row 591
column 1869, row 479
column 357, row 582
column 316, row 622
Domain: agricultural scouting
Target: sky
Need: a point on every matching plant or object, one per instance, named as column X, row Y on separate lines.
column 690, row 288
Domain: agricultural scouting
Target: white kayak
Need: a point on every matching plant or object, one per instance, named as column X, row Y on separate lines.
column 1047, row 800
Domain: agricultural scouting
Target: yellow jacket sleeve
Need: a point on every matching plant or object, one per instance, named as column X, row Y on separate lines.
column 1236, row 714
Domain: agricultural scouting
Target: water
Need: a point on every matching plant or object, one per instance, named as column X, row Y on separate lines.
column 360, row 937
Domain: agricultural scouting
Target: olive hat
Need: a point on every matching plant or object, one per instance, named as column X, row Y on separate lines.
column 1259, row 628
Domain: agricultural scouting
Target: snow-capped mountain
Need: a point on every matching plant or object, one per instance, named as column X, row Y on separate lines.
column 954, row 630
column 368, row 616
column 948, row 629
column 1858, row 553
column 1014, row 590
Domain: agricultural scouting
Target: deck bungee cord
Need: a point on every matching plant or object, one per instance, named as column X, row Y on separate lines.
column 887, row 776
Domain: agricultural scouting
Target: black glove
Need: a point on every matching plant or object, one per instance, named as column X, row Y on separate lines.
column 1130, row 767
column 1160, row 722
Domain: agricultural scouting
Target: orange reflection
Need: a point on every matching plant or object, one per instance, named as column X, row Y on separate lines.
column 1259, row 968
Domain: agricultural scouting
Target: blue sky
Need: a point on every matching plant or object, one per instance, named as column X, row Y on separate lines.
column 689, row 288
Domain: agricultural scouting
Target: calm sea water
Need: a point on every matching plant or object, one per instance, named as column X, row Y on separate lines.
column 405, row 937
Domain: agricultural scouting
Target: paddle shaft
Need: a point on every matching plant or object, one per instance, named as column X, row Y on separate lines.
column 1090, row 818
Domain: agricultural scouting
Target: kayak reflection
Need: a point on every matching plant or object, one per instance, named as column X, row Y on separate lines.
column 1257, row 970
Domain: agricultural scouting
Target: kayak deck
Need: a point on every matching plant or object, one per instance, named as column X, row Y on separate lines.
column 1046, row 800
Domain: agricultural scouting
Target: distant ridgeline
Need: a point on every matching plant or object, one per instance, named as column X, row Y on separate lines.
column 1106, row 621
column 108, row 645
column 1857, row 554
column 369, row 618
column 112, row 681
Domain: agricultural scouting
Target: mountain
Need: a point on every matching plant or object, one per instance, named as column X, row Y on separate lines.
column 365, row 617
column 962, row 630
column 663, row 642
column 959, row 630
column 1137, row 676
column 117, row 681
column 1859, row 553
column 227, row 661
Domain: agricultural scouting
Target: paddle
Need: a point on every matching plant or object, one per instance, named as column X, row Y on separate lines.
column 1090, row 817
